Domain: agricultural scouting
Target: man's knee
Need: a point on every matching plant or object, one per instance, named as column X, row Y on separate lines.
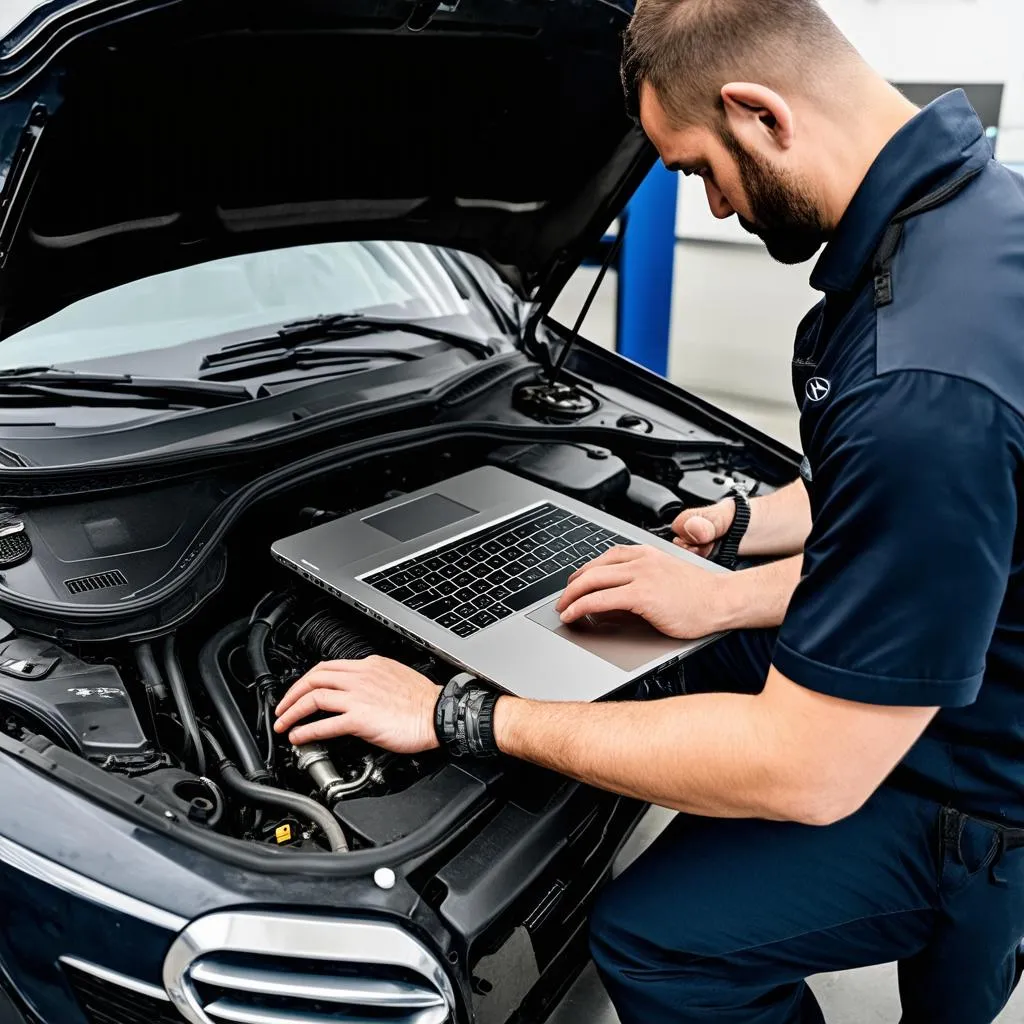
column 649, row 970
column 611, row 943
column 623, row 937
column 603, row 939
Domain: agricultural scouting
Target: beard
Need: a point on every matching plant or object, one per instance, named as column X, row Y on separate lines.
column 785, row 216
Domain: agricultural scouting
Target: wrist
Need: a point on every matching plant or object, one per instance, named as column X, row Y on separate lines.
column 729, row 601
column 430, row 738
column 505, row 714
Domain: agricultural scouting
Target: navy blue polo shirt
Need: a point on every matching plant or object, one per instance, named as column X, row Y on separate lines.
column 912, row 422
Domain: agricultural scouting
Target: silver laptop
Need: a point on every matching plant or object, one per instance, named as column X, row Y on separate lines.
column 471, row 568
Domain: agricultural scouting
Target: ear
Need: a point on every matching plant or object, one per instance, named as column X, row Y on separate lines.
column 758, row 115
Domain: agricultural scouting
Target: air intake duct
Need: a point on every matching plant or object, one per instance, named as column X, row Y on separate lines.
column 330, row 639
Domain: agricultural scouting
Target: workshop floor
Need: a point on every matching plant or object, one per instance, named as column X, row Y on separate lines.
column 867, row 996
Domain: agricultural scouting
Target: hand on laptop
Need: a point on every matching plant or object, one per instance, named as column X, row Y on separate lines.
column 678, row 599
column 376, row 699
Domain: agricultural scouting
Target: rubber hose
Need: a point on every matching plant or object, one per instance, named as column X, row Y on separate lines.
column 332, row 640
column 150, row 671
column 300, row 806
column 218, row 801
column 661, row 504
column 176, row 680
column 223, row 700
column 259, row 636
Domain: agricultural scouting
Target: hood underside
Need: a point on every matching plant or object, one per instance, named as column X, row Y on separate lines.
column 191, row 131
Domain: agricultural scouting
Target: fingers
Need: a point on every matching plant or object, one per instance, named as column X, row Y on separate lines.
column 591, row 578
column 701, row 527
column 334, row 701
column 325, row 729
column 704, row 550
column 699, row 530
column 613, row 556
column 326, row 675
column 312, row 680
column 614, row 599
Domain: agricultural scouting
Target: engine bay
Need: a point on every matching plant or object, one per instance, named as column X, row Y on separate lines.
column 179, row 702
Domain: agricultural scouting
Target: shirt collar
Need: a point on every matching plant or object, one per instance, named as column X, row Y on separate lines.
column 940, row 140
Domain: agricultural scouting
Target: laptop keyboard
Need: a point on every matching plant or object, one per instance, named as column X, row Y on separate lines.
column 478, row 580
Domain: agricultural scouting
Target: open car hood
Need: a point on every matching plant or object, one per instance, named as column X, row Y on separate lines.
column 139, row 136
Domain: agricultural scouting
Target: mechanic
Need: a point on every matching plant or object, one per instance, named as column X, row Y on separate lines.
column 850, row 761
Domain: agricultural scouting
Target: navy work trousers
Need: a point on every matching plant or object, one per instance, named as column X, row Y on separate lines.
column 722, row 920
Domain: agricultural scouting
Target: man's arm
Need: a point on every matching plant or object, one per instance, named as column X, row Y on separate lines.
column 877, row 634
column 779, row 524
column 787, row 754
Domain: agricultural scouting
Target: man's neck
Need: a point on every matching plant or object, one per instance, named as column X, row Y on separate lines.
column 866, row 128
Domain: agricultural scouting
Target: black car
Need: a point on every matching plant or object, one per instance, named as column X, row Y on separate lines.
column 264, row 264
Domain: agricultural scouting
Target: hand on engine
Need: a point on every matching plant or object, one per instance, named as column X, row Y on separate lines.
column 377, row 699
column 675, row 597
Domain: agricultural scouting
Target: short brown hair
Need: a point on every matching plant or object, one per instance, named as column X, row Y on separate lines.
column 686, row 50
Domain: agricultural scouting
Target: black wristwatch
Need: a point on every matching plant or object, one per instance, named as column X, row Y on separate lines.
column 727, row 550
column 464, row 717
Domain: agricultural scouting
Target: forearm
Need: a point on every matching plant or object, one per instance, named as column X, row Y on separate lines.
column 779, row 522
column 757, row 598
column 713, row 754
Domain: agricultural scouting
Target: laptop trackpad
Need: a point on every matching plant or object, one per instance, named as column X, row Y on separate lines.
column 625, row 641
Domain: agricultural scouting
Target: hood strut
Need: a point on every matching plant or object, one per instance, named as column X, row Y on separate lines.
column 13, row 196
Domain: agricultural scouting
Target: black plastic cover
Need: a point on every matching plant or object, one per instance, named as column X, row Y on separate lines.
column 81, row 706
column 584, row 472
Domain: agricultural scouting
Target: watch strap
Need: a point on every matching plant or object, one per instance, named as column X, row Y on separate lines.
column 464, row 717
column 488, row 743
column 728, row 549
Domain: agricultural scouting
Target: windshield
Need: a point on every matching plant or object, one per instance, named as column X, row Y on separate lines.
column 13, row 11
column 404, row 280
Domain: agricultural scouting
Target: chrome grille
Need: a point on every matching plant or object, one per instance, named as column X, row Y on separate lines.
column 252, row 968
column 247, row 994
column 110, row 998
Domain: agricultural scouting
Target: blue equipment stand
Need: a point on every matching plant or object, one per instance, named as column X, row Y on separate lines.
column 645, row 271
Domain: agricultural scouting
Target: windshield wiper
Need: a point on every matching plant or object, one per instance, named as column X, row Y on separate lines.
column 72, row 387
column 308, row 358
column 340, row 325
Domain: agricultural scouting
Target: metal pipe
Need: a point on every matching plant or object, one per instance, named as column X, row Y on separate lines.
column 315, row 759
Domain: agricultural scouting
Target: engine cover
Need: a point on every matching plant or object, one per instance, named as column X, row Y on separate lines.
column 81, row 706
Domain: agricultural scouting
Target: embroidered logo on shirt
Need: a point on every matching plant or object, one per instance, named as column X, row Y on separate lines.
column 817, row 389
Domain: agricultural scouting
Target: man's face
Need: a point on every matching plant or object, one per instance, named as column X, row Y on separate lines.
column 770, row 202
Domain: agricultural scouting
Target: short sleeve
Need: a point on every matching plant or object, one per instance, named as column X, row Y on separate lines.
column 907, row 564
